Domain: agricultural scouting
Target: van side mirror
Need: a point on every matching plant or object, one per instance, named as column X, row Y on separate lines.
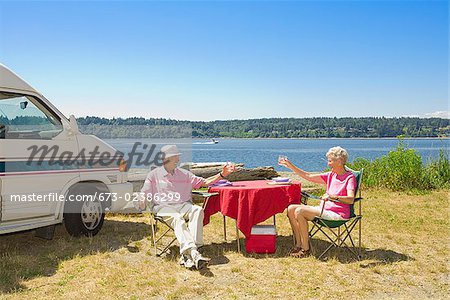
column 73, row 125
column 23, row 104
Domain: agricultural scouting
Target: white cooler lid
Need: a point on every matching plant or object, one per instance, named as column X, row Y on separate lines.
column 264, row 229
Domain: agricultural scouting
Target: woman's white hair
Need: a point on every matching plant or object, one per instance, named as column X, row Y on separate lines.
column 336, row 153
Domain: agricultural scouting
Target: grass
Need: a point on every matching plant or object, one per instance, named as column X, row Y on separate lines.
column 405, row 240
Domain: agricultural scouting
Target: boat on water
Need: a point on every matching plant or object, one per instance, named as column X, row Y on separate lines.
column 212, row 142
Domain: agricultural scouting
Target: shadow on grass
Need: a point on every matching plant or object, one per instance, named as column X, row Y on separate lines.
column 216, row 251
column 343, row 255
column 285, row 243
column 24, row 256
column 213, row 251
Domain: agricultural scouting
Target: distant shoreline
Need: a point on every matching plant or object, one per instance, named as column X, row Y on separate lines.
column 320, row 138
column 273, row 128
column 330, row 138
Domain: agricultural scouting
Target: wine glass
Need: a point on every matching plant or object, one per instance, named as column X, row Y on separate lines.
column 230, row 166
column 281, row 159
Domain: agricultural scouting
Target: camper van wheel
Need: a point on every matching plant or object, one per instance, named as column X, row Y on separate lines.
column 84, row 217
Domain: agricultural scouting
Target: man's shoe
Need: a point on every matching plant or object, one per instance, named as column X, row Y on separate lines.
column 189, row 264
column 185, row 260
column 199, row 261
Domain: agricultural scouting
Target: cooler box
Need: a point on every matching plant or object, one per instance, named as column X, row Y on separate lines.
column 262, row 239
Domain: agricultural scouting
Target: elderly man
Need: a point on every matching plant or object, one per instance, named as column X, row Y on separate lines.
column 168, row 192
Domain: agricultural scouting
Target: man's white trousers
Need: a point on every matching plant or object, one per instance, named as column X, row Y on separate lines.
column 187, row 222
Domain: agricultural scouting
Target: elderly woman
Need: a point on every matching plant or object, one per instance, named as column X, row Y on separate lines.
column 335, row 205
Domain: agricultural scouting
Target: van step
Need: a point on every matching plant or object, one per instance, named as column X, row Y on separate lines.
column 45, row 232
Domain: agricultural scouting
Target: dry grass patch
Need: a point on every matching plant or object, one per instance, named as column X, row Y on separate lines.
column 405, row 240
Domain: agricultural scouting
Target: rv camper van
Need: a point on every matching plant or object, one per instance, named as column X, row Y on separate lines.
column 50, row 172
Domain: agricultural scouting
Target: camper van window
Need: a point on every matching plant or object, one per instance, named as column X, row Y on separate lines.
column 24, row 117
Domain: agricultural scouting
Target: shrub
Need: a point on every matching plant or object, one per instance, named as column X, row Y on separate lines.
column 402, row 169
column 437, row 173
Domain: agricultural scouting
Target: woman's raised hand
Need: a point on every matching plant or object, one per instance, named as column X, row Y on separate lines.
column 284, row 161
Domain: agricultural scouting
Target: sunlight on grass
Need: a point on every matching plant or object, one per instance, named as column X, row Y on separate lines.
column 405, row 255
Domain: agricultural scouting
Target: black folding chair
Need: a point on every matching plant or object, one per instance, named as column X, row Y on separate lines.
column 155, row 219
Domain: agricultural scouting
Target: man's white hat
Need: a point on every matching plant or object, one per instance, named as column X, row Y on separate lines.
column 170, row 150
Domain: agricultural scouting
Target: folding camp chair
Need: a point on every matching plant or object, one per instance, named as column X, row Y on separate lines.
column 154, row 219
column 344, row 228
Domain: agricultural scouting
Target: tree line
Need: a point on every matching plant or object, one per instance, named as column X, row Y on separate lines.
column 365, row 127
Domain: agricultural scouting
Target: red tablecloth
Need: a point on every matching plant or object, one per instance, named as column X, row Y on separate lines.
column 251, row 202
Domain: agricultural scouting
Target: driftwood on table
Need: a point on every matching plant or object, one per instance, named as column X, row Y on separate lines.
column 253, row 174
column 206, row 170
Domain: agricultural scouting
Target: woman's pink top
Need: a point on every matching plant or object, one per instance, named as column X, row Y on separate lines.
column 338, row 185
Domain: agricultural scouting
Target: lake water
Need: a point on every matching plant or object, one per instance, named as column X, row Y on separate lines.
column 308, row 154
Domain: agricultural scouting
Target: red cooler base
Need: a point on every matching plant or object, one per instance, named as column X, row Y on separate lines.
column 262, row 239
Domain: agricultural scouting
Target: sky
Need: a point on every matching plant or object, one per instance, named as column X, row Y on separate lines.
column 221, row 60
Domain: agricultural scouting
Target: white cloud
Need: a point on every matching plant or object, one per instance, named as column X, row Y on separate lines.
column 410, row 116
column 438, row 114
